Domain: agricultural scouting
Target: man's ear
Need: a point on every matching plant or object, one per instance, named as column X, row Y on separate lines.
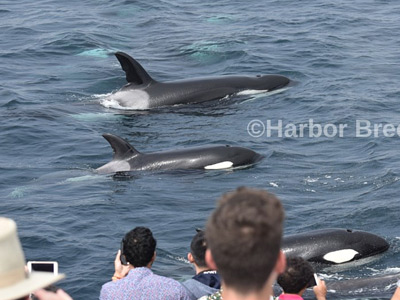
column 154, row 257
column 190, row 258
column 280, row 265
column 152, row 260
column 210, row 260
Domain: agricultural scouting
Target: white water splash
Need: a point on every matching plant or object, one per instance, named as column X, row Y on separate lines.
column 311, row 180
column 18, row 192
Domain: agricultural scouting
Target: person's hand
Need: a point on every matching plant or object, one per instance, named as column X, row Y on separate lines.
column 59, row 295
column 396, row 295
column 120, row 270
column 320, row 289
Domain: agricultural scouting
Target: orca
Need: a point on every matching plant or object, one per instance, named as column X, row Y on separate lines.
column 367, row 287
column 333, row 246
column 143, row 92
column 126, row 158
column 376, row 287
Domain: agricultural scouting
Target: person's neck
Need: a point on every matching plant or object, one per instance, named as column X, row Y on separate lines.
column 201, row 269
column 300, row 293
column 148, row 267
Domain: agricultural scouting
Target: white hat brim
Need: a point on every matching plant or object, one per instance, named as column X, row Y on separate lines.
column 35, row 281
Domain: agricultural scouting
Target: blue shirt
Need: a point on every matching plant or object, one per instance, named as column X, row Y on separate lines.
column 143, row 284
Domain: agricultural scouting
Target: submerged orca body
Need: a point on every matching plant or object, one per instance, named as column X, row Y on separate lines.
column 376, row 287
column 127, row 158
column 334, row 246
column 364, row 286
column 143, row 92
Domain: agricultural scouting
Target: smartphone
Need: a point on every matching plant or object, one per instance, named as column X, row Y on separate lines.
column 43, row 266
column 314, row 280
column 123, row 257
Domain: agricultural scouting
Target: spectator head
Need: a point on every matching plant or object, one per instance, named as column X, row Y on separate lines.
column 244, row 236
column 198, row 249
column 297, row 276
column 15, row 283
column 139, row 247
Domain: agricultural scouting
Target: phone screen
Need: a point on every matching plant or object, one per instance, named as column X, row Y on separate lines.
column 43, row 267
column 313, row 281
column 122, row 256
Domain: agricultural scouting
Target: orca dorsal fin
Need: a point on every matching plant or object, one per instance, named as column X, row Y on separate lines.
column 133, row 70
column 122, row 149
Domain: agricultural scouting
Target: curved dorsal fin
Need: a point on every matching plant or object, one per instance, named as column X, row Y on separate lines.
column 133, row 70
column 122, row 149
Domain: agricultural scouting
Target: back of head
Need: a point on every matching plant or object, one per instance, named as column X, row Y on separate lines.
column 244, row 235
column 297, row 276
column 139, row 246
column 198, row 248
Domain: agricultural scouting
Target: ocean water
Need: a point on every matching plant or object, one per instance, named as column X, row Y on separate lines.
column 57, row 66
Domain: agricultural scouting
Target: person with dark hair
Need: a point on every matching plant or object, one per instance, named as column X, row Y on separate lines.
column 133, row 278
column 298, row 276
column 244, row 236
column 206, row 281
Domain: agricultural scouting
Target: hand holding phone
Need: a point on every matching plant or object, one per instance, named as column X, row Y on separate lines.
column 122, row 255
column 43, row 266
column 320, row 288
column 121, row 265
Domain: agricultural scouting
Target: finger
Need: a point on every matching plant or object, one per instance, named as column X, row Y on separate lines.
column 118, row 257
column 63, row 295
column 45, row 295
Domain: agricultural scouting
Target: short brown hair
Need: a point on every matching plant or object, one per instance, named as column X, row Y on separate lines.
column 244, row 236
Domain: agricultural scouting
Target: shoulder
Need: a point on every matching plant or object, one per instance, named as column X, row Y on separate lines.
column 107, row 286
column 169, row 284
column 191, row 282
column 106, row 290
column 164, row 279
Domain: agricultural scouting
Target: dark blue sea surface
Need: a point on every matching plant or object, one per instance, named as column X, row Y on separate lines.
column 57, row 65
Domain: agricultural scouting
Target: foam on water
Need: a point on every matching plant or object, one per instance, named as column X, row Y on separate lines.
column 95, row 117
column 100, row 53
column 18, row 192
column 82, row 178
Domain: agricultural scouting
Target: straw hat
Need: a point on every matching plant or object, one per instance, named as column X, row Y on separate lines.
column 14, row 281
